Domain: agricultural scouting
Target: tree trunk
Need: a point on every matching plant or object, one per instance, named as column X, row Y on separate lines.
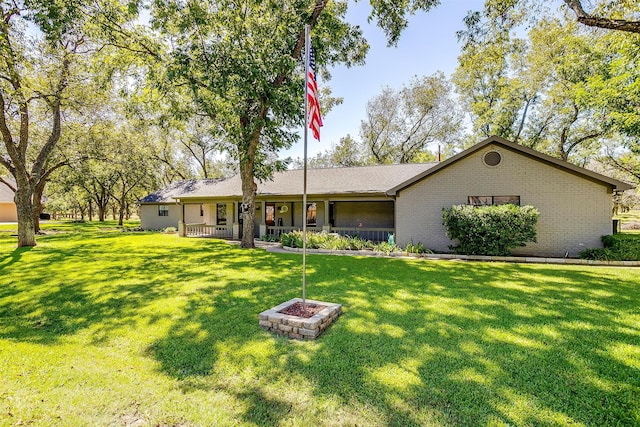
column 26, row 232
column 37, row 204
column 249, row 189
column 102, row 210
column 90, row 210
column 121, row 214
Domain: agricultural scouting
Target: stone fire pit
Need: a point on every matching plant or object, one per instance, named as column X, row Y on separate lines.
column 299, row 327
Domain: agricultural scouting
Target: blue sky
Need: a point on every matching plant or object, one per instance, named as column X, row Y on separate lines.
column 428, row 45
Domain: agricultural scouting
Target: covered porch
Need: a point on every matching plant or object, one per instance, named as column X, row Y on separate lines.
column 370, row 220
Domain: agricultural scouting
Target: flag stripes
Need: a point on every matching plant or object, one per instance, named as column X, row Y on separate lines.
column 315, row 121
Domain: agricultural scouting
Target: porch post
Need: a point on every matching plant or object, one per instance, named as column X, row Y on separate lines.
column 326, row 225
column 182, row 229
column 263, row 218
column 234, row 220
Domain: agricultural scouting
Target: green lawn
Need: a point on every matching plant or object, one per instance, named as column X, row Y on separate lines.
column 102, row 327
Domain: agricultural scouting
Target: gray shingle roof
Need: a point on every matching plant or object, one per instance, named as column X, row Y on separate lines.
column 167, row 194
column 354, row 180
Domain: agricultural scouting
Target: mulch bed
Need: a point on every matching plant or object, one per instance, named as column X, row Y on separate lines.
column 296, row 309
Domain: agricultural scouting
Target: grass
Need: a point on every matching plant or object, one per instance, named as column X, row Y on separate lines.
column 109, row 328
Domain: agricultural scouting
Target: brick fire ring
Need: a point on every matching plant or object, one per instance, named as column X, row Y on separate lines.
column 299, row 327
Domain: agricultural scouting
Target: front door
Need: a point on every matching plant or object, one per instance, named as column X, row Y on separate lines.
column 270, row 214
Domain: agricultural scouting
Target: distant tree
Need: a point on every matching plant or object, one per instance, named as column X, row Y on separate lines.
column 347, row 153
column 401, row 123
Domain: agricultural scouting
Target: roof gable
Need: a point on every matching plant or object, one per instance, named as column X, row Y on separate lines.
column 536, row 155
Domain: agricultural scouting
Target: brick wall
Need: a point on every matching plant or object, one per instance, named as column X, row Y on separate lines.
column 574, row 211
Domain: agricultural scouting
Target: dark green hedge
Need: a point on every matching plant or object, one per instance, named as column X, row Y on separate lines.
column 617, row 247
column 490, row 230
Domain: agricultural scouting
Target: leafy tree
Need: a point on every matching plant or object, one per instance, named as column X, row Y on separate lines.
column 538, row 94
column 252, row 89
column 43, row 55
column 400, row 124
column 32, row 77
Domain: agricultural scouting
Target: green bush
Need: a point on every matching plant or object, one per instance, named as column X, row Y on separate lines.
column 617, row 247
column 270, row 238
column 324, row 240
column 386, row 248
column 416, row 248
column 490, row 230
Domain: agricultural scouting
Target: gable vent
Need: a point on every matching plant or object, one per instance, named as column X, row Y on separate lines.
column 492, row 158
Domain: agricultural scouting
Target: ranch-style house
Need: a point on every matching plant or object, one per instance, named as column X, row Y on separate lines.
column 575, row 204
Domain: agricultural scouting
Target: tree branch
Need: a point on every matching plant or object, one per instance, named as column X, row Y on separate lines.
column 595, row 21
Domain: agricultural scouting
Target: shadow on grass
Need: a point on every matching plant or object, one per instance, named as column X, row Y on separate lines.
column 423, row 342
column 419, row 342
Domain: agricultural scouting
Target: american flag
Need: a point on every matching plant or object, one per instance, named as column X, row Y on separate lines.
column 315, row 121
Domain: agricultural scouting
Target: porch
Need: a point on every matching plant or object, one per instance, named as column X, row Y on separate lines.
column 367, row 219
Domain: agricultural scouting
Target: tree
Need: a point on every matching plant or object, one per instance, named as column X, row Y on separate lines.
column 254, row 90
column 400, row 124
column 535, row 90
column 31, row 77
column 43, row 54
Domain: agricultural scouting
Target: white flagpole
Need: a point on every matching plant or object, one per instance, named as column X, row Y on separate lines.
column 307, row 39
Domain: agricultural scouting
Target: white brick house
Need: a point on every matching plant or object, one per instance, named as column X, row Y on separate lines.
column 407, row 200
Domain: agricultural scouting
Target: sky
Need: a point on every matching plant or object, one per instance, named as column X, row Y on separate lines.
column 428, row 45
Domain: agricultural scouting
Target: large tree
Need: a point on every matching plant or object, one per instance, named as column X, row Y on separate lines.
column 541, row 91
column 32, row 79
column 45, row 49
column 240, row 63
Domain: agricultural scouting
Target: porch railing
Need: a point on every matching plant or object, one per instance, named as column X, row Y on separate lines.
column 276, row 230
column 204, row 230
column 373, row 234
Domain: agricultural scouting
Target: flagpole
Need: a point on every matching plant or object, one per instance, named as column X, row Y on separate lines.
column 304, row 180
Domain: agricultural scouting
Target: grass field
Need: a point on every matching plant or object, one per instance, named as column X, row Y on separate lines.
column 101, row 327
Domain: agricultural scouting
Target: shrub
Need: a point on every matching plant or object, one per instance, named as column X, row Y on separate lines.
column 324, row 240
column 417, row 248
column 170, row 230
column 386, row 248
column 490, row 230
column 270, row 238
column 617, row 247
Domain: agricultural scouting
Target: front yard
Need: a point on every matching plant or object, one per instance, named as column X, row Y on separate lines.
column 102, row 327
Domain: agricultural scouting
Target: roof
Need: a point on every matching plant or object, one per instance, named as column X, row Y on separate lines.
column 552, row 161
column 372, row 180
column 6, row 194
column 167, row 194
column 379, row 180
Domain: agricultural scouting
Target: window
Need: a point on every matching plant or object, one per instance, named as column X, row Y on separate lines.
column 270, row 214
column 493, row 200
column 311, row 214
column 492, row 158
column 163, row 210
column 221, row 214
column 505, row 200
